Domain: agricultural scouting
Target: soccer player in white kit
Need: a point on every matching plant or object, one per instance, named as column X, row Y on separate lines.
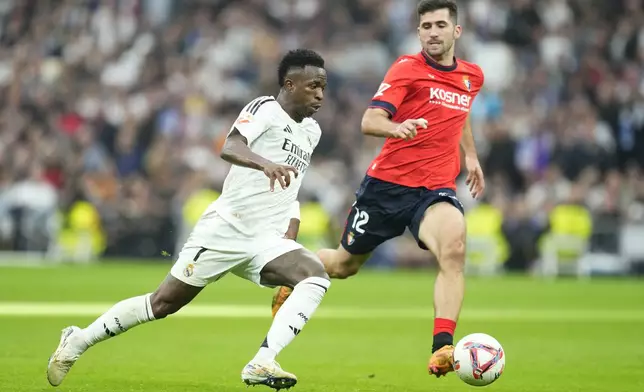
column 249, row 231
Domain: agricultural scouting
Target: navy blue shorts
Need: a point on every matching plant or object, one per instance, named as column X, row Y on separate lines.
column 383, row 210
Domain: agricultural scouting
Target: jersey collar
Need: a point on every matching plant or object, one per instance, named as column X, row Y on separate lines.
column 435, row 65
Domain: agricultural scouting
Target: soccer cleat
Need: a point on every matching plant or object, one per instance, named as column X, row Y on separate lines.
column 69, row 349
column 281, row 295
column 269, row 374
column 442, row 361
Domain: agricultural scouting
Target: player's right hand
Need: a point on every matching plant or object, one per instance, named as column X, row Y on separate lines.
column 407, row 130
column 279, row 173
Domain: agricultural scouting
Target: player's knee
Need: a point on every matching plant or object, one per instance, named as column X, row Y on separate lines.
column 347, row 272
column 347, row 269
column 452, row 256
column 340, row 264
column 163, row 305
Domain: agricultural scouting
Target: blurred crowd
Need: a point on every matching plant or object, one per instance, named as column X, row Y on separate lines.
column 123, row 105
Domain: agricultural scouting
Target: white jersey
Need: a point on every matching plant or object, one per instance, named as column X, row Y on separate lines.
column 246, row 201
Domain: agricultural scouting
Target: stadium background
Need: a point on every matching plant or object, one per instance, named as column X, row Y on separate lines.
column 112, row 114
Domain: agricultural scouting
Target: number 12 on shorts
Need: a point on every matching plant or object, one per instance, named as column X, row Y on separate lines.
column 359, row 220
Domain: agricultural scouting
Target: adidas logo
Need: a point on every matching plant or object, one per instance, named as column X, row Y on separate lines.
column 107, row 331
column 295, row 330
column 288, row 129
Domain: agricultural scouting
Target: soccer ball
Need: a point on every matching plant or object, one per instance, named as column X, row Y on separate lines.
column 479, row 359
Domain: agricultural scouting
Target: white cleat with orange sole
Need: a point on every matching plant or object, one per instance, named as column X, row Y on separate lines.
column 70, row 348
column 269, row 374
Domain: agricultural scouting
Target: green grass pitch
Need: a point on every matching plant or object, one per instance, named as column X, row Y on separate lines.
column 372, row 333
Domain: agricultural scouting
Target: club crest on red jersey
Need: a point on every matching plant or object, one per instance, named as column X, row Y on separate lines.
column 467, row 83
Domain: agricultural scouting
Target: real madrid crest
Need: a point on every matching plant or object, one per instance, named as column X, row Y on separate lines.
column 189, row 270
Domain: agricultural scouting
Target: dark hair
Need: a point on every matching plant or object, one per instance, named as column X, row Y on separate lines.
column 298, row 58
column 426, row 6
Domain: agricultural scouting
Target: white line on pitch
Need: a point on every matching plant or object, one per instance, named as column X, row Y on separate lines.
column 45, row 309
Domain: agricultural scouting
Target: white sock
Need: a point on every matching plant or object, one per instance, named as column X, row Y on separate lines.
column 292, row 316
column 121, row 317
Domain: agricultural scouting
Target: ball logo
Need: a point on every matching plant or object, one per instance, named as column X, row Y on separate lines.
column 479, row 368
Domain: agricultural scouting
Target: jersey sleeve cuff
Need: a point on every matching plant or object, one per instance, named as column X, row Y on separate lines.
column 251, row 132
column 386, row 106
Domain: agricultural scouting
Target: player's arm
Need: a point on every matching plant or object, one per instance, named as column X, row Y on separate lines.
column 475, row 179
column 237, row 152
column 376, row 120
column 467, row 141
column 467, row 137
column 248, row 127
column 294, row 223
column 293, row 229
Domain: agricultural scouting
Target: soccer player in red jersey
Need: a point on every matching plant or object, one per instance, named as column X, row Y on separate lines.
column 422, row 109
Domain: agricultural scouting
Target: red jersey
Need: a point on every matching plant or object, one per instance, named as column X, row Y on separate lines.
column 417, row 87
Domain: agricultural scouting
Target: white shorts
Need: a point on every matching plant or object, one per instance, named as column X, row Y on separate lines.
column 215, row 248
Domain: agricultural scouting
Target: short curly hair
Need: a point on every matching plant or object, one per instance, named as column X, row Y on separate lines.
column 298, row 58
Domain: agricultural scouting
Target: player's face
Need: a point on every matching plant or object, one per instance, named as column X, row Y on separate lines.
column 307, row 88
column 437, row 33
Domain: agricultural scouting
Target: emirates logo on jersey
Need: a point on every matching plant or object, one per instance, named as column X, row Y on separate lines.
column 297, row 157
column 450, row 99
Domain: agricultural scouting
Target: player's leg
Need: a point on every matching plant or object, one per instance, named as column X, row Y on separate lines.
column 378, row 214
column 301, row 270
column 365, row 228
column 442, row 231
column 171, row 295
column 338, row 264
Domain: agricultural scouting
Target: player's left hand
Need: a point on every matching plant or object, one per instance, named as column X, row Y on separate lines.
column 475, row 180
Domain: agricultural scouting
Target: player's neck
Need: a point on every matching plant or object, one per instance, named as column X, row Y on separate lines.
column 446, row 60
column 289, row 107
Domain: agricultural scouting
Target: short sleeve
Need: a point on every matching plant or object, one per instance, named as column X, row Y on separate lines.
column 393, row 89
column 255, row 118
column 478, row 79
